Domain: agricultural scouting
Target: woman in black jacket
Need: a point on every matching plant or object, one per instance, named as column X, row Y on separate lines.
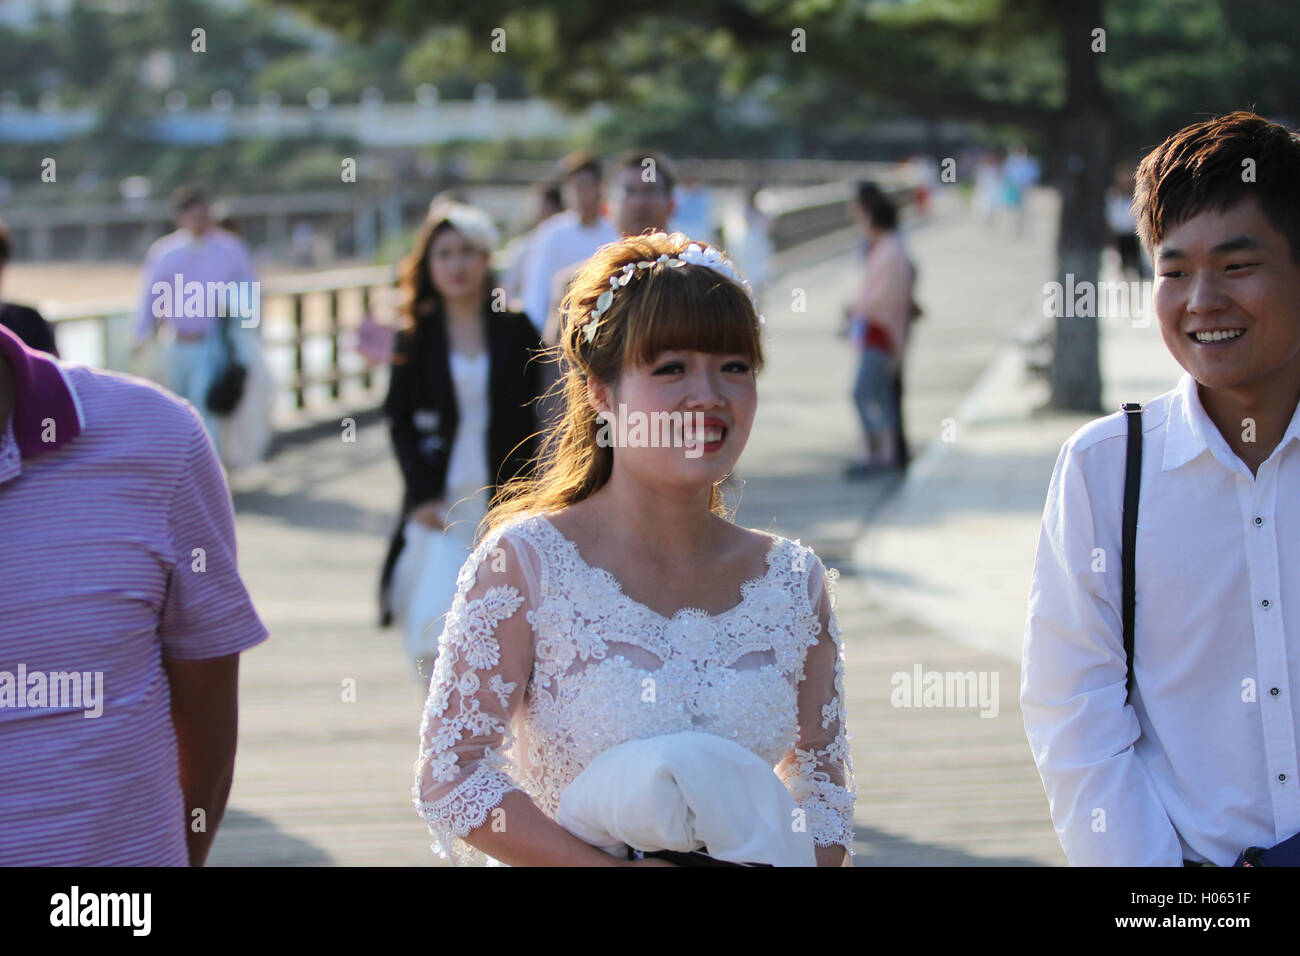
column 462, row 394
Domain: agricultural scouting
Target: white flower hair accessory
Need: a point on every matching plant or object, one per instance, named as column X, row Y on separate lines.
column 694, row 255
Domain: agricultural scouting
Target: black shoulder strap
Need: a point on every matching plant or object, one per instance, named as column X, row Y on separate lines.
column 1132, row 482
column 227, row 344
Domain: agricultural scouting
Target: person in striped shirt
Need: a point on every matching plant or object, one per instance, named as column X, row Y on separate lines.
column 198, row 257
column 122, row 617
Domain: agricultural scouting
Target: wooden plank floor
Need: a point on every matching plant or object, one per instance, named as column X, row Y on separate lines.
column 321, row 780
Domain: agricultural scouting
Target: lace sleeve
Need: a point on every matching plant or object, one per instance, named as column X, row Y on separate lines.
column 819, row 770
column 485, row 658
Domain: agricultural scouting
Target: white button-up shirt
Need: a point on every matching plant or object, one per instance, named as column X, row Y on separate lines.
column 1202, row 761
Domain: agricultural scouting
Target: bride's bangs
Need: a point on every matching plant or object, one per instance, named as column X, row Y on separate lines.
column 693, row 309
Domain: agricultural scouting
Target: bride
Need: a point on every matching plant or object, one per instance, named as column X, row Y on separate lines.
column 611, row 599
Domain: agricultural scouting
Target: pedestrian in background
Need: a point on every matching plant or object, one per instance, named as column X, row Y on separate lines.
column 568, row 237
column 639, row 203
column 749, row 240
column 988, row 196
column 197, row 252
column 1122, row 224
column 25, row 322
column 547, row 202
column 694, row 216
column 1020, row 173
column 460, row 408
column 878, row 321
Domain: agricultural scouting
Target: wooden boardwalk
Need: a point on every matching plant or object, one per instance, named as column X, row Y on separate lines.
column 322, row 779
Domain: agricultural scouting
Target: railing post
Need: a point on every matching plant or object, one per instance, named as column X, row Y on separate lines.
column 365, row 311
column 335, row 371
column 299, row 392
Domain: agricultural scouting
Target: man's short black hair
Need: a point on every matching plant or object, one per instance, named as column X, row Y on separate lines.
column 867, row 190
column 186, row 196
column 881, row 209
column 1215, row 165
column 580, row 161
column 664, row 172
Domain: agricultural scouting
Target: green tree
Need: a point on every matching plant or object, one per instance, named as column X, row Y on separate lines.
column 1038, row 66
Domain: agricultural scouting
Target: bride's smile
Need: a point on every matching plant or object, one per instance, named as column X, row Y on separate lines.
column 710, row 399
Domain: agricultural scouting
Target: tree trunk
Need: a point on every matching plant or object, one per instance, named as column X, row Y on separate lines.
column 1085, row 157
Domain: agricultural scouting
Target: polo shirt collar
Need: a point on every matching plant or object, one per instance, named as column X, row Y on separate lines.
column 1189, row 432
column 43, row 395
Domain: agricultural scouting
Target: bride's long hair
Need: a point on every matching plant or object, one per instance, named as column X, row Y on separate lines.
column 689, row 307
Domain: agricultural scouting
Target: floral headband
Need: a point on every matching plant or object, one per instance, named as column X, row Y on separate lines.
column 694, row 255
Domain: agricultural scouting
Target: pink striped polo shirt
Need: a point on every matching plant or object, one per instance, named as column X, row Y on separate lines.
column 117, row 551
column 179, row 260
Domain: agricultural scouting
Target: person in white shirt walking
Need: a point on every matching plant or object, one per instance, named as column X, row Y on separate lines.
column 547, row 202
column 568, row 237
column 643, row 200
column 1195, row 760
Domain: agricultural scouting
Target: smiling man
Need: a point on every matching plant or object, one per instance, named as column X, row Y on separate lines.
column 1198, row 759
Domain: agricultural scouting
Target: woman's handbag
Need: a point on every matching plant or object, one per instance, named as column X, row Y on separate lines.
column 245, row 434
column 228, row 388
column 424, row 585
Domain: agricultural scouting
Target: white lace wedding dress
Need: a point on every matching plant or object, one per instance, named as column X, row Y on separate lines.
column 544, row 663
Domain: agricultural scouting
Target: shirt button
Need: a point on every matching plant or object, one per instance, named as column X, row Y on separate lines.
column 1275, row 692
column 1281, row 778
column 1258, row 521
column 1264, row 603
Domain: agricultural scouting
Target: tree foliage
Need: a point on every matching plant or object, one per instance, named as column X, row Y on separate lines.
column 1087, row 80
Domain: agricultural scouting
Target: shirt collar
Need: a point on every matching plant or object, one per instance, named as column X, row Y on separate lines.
column 11, row 461
column 1189, row 431
column 42, row 396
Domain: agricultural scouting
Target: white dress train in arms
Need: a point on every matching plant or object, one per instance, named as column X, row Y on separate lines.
column 544, row 663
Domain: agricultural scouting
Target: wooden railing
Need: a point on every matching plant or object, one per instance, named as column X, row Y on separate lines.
column 330, row 288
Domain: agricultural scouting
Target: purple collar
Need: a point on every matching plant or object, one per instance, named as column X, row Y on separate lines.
column 42, row 395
